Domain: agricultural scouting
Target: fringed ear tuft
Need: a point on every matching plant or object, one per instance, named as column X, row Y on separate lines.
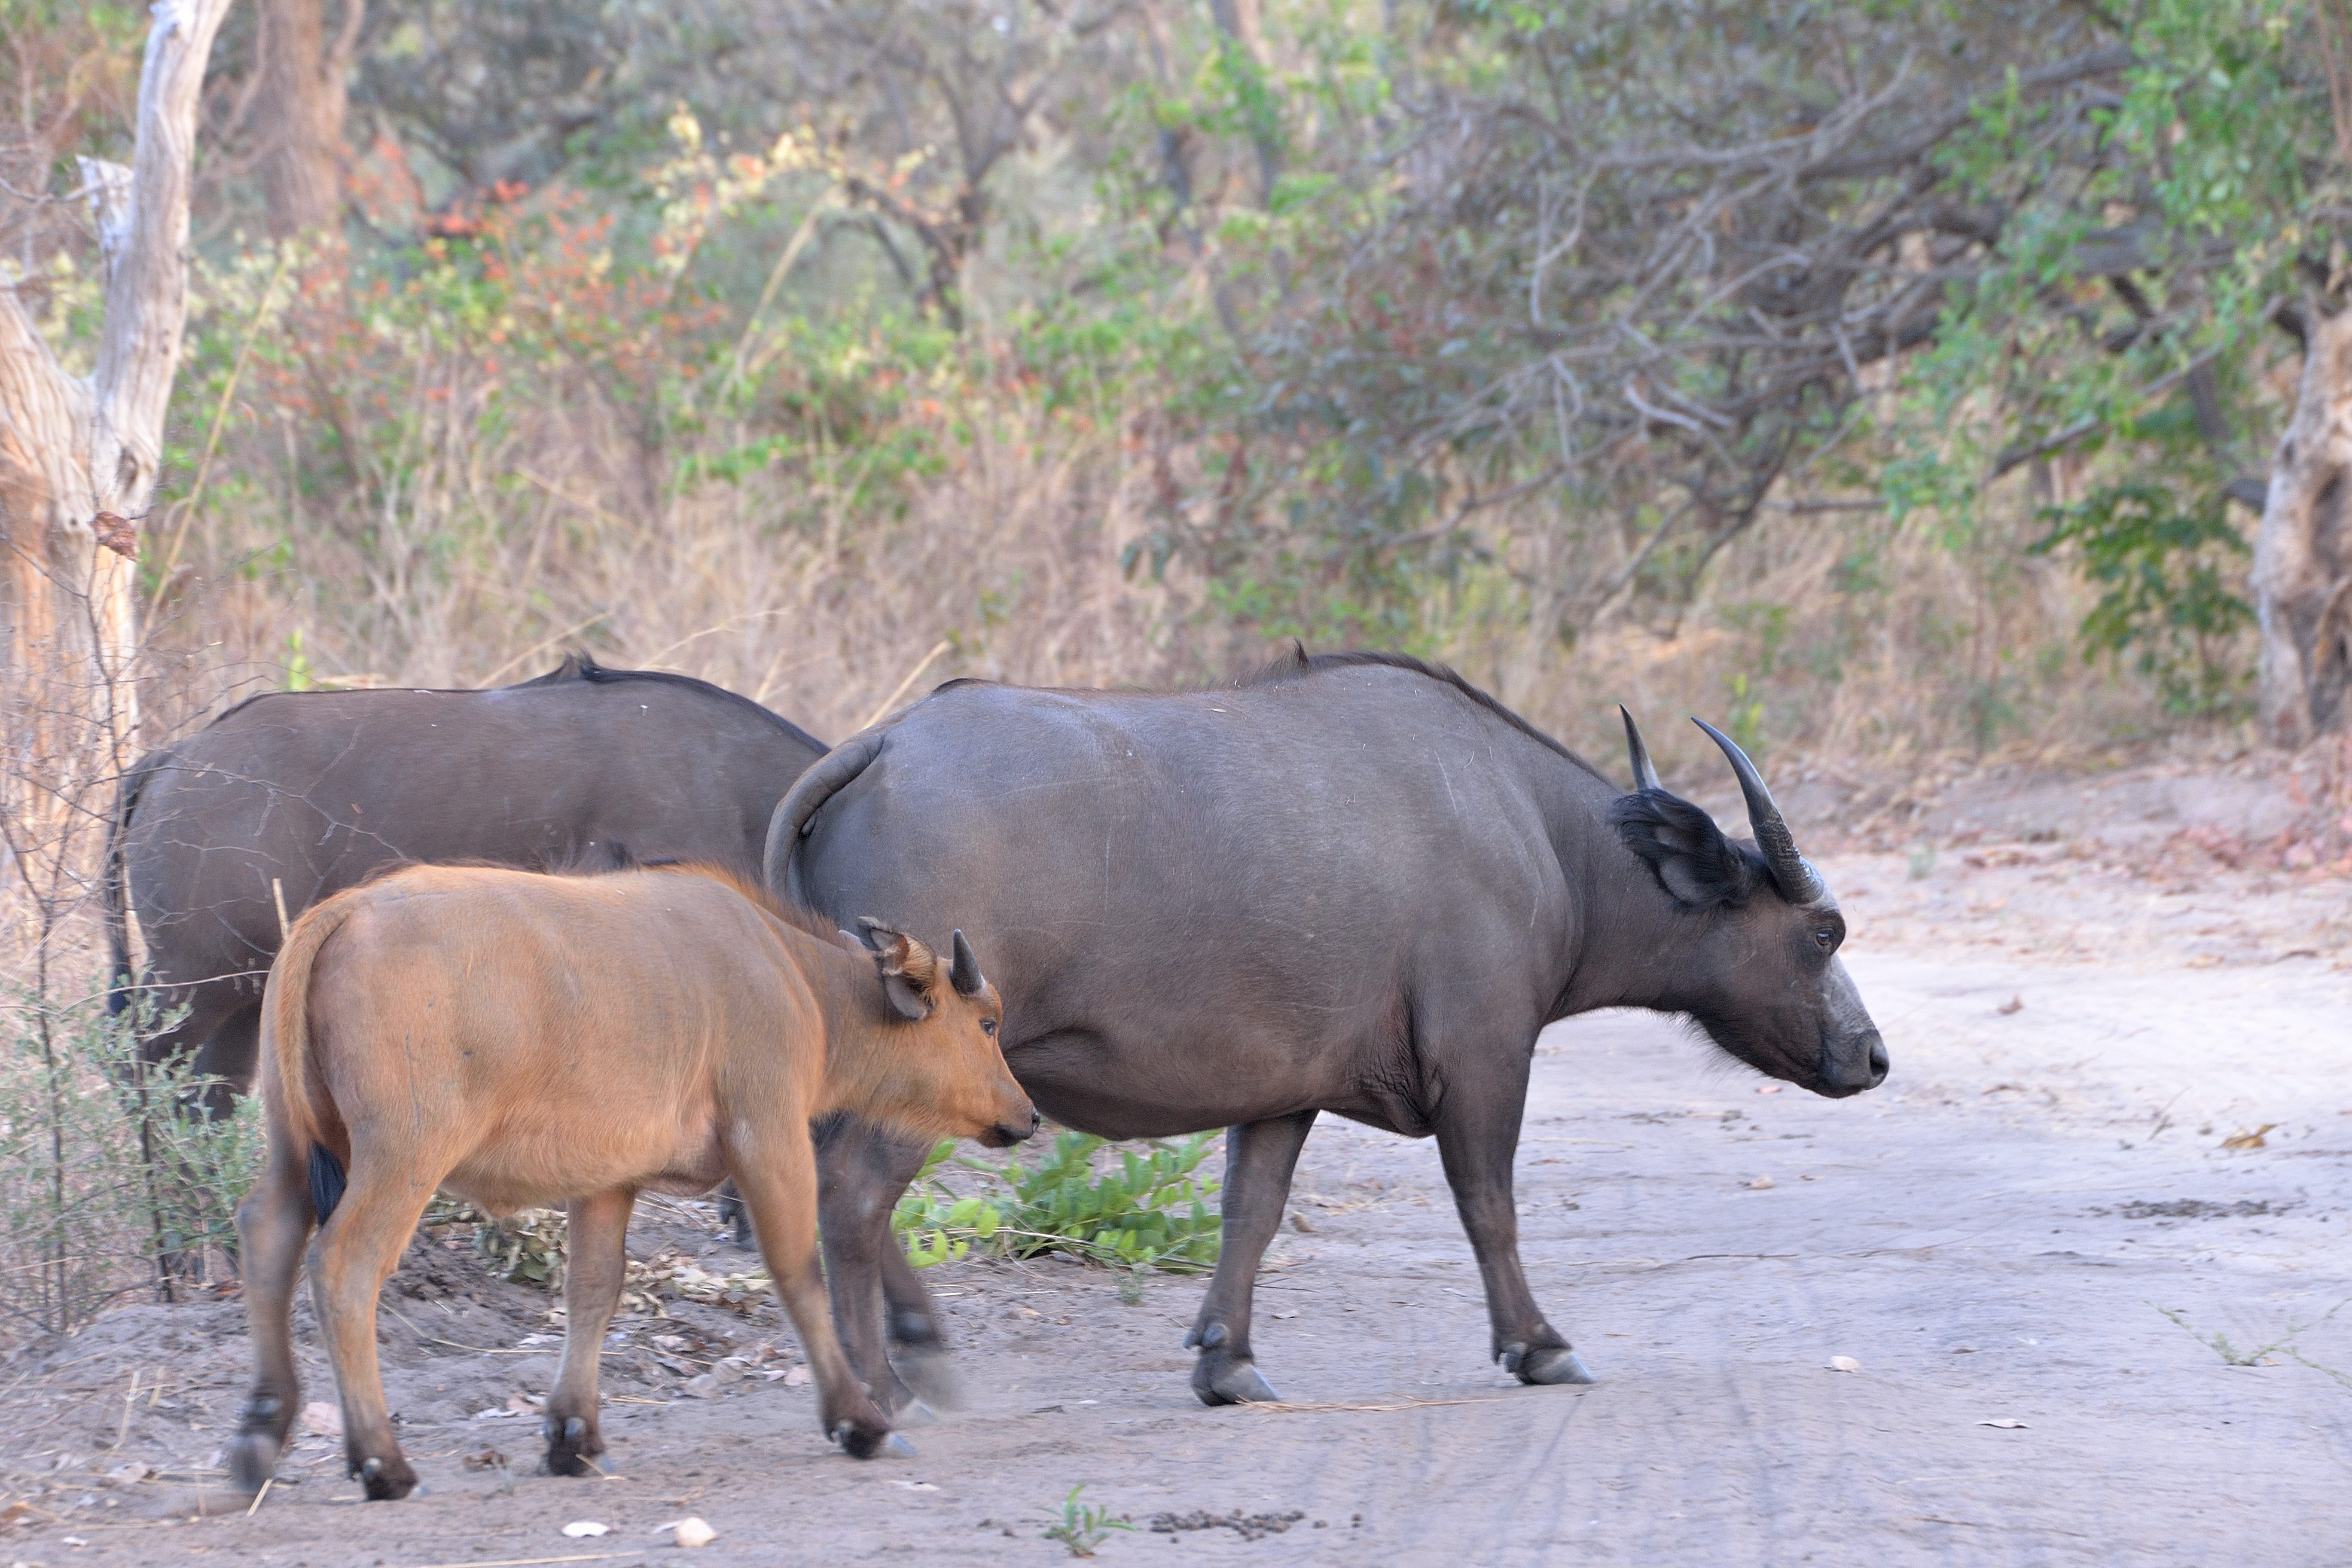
column 909, row 971
column 1699, row 867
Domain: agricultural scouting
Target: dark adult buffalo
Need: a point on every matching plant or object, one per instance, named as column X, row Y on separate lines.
column 1354, row 884
column 293, row 797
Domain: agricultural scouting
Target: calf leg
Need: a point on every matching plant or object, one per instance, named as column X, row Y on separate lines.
column 1259, row 1158
column 599, row 1230
column 864, row 1171
column 356, row 1250
column 778, row 1180
column 1477, row 1139
column 272, row 1224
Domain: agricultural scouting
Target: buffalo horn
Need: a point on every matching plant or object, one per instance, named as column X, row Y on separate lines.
column 1645, row 775
column 964, row 974
column 1795, row 879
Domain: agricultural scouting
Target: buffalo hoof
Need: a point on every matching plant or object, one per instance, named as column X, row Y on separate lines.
column 571, row 1446
column 387, row 1480
column 252, row 1459
column 1552, row 1365
column 864, row 1441
column 929, row 1375
column 1235, row 1382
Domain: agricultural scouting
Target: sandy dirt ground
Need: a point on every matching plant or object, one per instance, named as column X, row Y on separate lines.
column 1927, row 1325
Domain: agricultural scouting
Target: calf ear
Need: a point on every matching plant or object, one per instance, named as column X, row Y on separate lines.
column 909, row 971
column 1699, row 867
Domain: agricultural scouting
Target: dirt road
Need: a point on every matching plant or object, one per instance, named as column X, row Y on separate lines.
column 1990, row 1240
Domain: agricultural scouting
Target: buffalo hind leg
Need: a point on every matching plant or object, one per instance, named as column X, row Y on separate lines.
column 920, row 1358
column 1478, row 1140
column 778, row 1180
column 1259, row 1158
column 356, row 1251
column 864, row 1171
column 598, row 1229
column 273, row 1224
column 216, row 1038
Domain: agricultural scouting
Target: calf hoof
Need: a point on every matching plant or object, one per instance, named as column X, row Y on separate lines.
column 1230, row 1382
column 387, row 1480
column 1553, row 1363
column 866, row 1440
column 252, row 1459
column 570, row 1445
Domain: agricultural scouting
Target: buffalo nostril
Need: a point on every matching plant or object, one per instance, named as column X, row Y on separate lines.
column 1878, row 1063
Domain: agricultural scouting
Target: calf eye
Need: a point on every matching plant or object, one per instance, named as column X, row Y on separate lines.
column 988, row 1027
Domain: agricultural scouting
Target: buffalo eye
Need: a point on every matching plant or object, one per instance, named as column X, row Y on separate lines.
column 1826, row 938
column 988, row 1027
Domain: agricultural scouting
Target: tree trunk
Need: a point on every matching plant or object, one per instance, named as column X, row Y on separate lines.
column 302, row 103
column 77, row 467
column 2302, row 557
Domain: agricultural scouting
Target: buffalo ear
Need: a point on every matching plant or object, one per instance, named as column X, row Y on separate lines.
column 909, row 971
column 1699, row 867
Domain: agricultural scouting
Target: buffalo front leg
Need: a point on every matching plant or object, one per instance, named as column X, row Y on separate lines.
column 599, row 1231
column 272, row 1224
column 778, row 1180
column 356, row 1251
column 1477, row 1139
column 862, row 1170
column 1259, row 1158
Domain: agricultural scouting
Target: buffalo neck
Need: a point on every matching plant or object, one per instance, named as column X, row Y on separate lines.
column 1627, row 937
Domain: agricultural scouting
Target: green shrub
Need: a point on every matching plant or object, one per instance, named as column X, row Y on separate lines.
column 109, row 1166
column 1148, row 1210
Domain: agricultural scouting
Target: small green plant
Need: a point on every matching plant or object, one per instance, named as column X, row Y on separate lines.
column 2234, row 1354
column 939, row 1226
column 1081, row 1527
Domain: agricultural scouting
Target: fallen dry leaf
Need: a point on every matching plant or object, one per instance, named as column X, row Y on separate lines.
column 1843, row 1363
column 2253, row 1140
column 324, row 1419
column 796, row 1378
column 580, row 1527
column 1770, row 1087
column 1760, row 1182
column 2014, row 1005
column 2006, row 1422
column 691, row 1532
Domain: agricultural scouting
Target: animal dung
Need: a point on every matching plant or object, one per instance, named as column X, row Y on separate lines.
column 580, row 1527
column 1843, row 1363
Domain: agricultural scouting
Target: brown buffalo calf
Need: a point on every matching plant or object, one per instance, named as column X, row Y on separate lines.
column 518, row 1039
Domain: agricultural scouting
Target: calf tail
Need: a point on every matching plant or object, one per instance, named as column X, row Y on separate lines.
column 285, row 1048
column 825, row 778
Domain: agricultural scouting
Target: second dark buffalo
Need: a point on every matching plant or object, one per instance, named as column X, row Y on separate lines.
column 1355, row 884
column 223, row 837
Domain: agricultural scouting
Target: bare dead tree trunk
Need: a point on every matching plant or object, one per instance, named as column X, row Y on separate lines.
column 79, row 459
column 303, row 101
column 2302, row 557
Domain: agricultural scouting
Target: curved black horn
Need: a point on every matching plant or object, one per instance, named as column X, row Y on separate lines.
column 964, row 972
column 1645, row 775
column 1796, row 880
